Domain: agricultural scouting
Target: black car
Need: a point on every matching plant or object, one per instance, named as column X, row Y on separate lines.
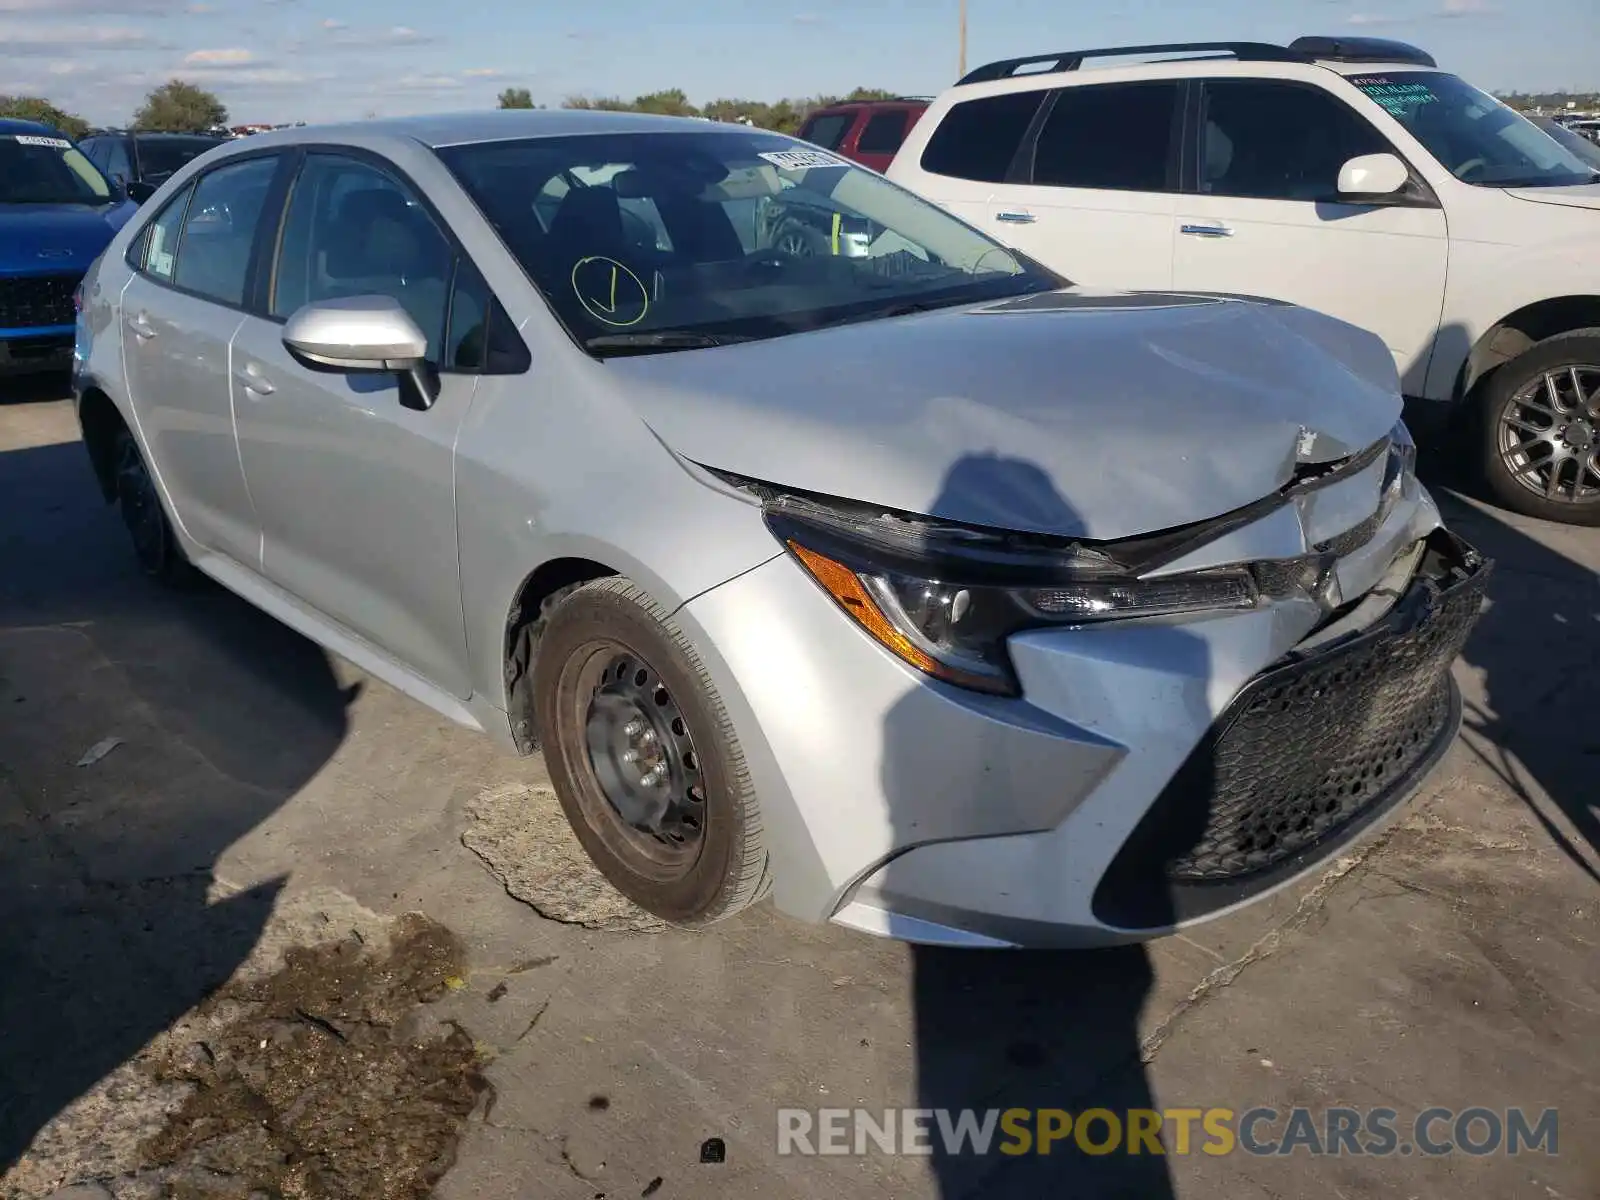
column 143, row 161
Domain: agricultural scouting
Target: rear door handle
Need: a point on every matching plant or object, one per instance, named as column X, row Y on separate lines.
column 1015, row 218
column 142, row 329
column 251, row 380
column 1206, row 230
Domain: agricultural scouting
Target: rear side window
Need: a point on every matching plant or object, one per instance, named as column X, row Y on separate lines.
column 828, row 131
column 220, row 229
column 978, row 139
column 884, row 133
column 1113, row 137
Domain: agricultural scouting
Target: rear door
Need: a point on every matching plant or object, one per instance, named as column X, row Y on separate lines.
column 880, row 136
column 1265, row 217
column 1098, row 185
column 194, row 267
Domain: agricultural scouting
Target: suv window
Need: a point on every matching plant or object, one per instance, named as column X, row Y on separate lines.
column 352, row 230
column 828, row 130
column 219, row 231
column 884, row 132
column 1278, row 141
column 117, row 164
column 159, row 157
column 978, row 139
column 1116, row 137
column 158, row 254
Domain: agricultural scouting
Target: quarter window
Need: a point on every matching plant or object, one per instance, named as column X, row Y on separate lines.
column 220, row 229
column 160, row 254
column 827, row 131
column 1116, row 137
column 352, row 230
column 978, row 139
column 1278, row 141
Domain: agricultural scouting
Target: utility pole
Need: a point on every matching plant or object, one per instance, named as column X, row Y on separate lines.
column 963, row 67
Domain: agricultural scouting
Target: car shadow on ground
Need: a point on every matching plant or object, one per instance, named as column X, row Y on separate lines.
column 999, row 1030
column 113, row 922
column 1538, row 649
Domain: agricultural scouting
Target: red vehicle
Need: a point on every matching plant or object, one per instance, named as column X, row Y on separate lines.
column 865, row 131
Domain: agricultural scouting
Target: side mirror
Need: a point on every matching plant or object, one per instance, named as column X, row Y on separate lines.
column 139, row 191
column 1373, row 176
column 365, row 335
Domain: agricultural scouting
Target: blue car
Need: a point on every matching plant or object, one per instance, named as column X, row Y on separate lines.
column 57, row 212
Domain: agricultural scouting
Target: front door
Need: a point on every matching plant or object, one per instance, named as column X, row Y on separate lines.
column 354, row 490
column 1268, row 222
column 179, row 314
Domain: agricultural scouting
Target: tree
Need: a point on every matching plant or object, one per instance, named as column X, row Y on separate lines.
column 35, row 108
column 179, row 107
column 515, row 97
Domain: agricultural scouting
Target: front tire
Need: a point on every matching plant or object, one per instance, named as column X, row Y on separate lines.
column 1541, row 430
column 155, row 546
column 644, row 758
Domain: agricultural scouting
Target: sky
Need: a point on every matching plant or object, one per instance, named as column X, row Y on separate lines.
column 317, row 60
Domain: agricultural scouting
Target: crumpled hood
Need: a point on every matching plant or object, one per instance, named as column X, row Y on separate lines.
column 44, row 237
column 1583, row 195
column 1072, row 413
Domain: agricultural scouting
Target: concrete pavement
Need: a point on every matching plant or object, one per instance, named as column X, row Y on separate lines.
column 265, row 796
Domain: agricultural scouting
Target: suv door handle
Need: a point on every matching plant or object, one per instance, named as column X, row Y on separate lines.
column 1206, row 230
column 1015, row 218
column 251, row 380
column 142, row 329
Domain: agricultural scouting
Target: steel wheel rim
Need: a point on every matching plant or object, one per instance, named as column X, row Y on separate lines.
column 650, row 808
column 793, row 244
column 1548, row 435
column 140, row 508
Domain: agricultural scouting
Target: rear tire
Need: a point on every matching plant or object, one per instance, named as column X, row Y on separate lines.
column 619, row 695
column 1540, row 430
column 155, row 546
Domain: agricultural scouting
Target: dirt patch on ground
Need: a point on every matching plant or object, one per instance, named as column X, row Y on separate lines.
column 325, row 1080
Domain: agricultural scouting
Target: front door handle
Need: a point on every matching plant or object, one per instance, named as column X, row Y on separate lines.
column 1015, row 218
column 251, row 380
column 1206, row 230
column 142, row 329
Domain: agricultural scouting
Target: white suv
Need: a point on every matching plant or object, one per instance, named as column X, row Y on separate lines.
column 1347, row 175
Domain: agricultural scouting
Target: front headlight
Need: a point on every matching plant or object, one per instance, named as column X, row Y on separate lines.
column 945, row 599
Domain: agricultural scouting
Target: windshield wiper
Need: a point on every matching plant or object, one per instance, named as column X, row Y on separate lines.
column 660, row 341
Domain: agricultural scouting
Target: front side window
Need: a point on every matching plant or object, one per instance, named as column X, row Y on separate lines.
column 1279, row 141
column 219, row 232
column 978, row 139
column 828, row 130
column 763, row 237
column 1115, row 137
column 159, row 256
column 46, row 169
column 883, row 133
column 354, row 230
column 1477, row 139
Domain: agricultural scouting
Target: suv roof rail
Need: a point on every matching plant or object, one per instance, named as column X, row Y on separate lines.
column 1362, row 49
column 1071, row 60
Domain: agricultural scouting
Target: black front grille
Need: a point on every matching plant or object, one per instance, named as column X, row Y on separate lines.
column 38, row 301
column 1305, row 756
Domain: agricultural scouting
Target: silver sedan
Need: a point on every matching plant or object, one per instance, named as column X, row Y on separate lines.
column 826, row 547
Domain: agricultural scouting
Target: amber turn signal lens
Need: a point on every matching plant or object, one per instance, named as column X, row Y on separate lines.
column 845, row 587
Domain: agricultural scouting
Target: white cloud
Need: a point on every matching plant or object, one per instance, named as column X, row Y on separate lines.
column 20, row 87
column 427, row 83
column 201, row 10
column 404, row 34
column 1465, row 8
column 333, row 23
column 117, row 8
column 66, row 39
column 231, row 57
column 481, row 73
column 1372, row 19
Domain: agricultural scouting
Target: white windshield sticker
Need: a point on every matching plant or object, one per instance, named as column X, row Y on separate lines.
column 802, row 160
column 28, row 139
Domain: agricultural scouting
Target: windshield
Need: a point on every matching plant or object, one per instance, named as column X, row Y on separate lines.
column 1575, row 142
column 163, row 156
column 661, row 241
column 40, row 169
column 1477, row 138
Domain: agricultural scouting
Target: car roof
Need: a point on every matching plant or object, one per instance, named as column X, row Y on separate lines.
column 495, row 125
column 12, row 125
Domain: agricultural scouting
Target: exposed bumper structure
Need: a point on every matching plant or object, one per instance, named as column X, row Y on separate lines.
column 1153, row 774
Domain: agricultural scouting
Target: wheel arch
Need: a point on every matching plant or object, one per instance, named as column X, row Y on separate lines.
column 1519, row 331
column 100, row 422
column 541, row 585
